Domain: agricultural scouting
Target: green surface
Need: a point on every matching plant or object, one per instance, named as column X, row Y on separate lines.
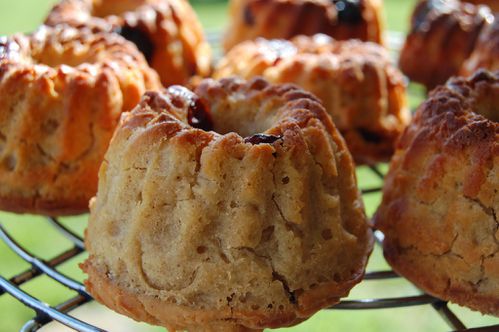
column 37, row 236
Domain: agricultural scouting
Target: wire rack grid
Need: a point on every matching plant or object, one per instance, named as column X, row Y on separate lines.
column 61, row 312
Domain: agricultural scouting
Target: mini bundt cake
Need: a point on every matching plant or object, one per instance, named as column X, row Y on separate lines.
column 443, row 35
column 440, row 200
column 284, row 19
column 486, row 52
column 257, row 223
column 359, row 86
column 62, row 91
column 167, row 32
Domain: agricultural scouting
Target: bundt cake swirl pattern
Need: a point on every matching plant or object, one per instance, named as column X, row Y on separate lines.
column 62, row 91
column 167, row 32
column 256, row 224
column 358, row 84
column 284, row 19
column 440, row 201
column 443, row 35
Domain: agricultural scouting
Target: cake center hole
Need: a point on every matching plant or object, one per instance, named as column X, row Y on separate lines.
column 139, row 38
column 247, row 118
column 239, row 115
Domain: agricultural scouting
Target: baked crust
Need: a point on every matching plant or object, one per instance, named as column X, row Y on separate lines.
column 193, row 227
column 61, row 94
column 285, row 19
column 358, row 84
column 43, row 206
column 167, row 32
column 443, row 35
column 150, row 309
column 486, row 52
column 439, row 208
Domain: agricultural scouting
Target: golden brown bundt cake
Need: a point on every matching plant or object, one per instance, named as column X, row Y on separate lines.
column 167, row 32
column 492, row 4
column 283, row 19
column 256, row 223
column 358, row 84
column 440, row 200
column 486, row 52
column 61, row 94
column 443, row 35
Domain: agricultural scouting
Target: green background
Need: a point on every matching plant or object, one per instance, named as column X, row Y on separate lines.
column 39, row 237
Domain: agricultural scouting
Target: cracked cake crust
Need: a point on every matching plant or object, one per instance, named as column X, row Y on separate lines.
column 440, row 200
column 193, row 228
column 62, row 91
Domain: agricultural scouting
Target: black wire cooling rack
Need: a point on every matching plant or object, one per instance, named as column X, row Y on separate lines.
column 62, row 312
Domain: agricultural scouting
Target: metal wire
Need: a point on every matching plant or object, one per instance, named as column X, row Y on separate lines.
column 46, row 314
column 41, row 265
column 76, row 239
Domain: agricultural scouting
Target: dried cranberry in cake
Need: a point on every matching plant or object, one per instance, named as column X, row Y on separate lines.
column 262, row 139
column 349, row 11
column 197, row 115
column 249, row 18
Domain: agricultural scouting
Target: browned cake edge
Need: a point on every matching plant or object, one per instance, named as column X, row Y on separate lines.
column 142, row 307
column 36, row 205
